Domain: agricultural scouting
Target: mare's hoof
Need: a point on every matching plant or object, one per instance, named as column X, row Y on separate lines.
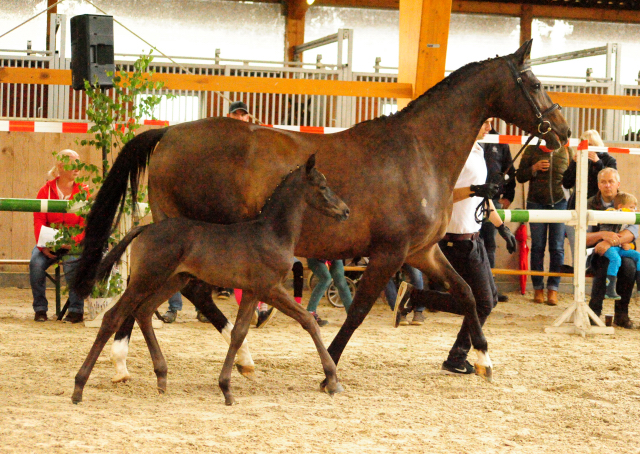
column 485, row 372
column 120, row 378
column 247, row 371
column 228, row 401
column 331, row 390
column 162, row 390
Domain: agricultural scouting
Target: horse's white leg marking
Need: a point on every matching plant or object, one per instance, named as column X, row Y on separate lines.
column 243, row 358
column 484, row 368
column 483, row 359
column 119, row 352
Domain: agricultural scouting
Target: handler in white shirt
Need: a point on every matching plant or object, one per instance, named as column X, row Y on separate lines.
column 464, row 249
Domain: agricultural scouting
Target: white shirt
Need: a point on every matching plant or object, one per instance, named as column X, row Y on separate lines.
column 463, row 218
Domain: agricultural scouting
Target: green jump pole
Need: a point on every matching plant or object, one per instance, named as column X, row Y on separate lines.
column 35, row 205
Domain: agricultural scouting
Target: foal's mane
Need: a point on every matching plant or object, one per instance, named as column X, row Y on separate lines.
column 275, row 195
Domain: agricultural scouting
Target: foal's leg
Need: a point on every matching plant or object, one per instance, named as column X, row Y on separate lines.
column 199, row 293
column 110, row 323
column 238, row 334
column 120, row 349
column 280, row 299
column 159, row 363
column 459, row 300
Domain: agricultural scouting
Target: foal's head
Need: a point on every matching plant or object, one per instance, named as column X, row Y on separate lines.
column 319, row 196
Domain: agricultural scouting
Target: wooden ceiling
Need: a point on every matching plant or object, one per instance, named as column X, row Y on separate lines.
column 626, row 11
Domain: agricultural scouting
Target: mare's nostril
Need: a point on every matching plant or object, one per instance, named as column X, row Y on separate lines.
column 568, row 133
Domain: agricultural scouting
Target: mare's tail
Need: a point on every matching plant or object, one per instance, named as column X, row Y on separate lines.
column 127, row 169
column 105, row 266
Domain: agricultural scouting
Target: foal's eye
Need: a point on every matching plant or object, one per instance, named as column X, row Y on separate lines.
column 537, row 86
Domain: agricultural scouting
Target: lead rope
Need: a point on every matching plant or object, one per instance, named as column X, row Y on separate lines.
column 483, row 211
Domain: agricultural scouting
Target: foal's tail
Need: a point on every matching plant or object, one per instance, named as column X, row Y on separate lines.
column 105, row 266
column 127, row 169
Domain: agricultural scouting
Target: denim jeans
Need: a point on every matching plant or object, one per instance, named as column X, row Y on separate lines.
column 540, row 232
column 324, row 275
column 37, row 277
column 175, row 302
column 413, row 276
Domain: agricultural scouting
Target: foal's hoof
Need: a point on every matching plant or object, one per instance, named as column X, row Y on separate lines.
column 228, row 401
column 247, row 371
column 162, row 390
column 76, row 398
column 120, row 378
column 484, row 371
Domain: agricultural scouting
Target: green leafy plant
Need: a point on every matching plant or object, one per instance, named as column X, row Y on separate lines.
column 115, row 117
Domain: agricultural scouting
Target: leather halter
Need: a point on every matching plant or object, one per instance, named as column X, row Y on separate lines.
column 541, row 122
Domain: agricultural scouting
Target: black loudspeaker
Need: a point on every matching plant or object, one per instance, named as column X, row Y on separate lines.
column 91, row 50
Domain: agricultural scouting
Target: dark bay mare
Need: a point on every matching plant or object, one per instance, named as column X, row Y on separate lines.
column 168, row 254
column 396, row 173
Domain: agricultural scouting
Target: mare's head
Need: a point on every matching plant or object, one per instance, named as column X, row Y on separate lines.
column 320, row 196
column 526, row 104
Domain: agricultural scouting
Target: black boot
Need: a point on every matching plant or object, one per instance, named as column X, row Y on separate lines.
column 623, row 321
column 611, row 288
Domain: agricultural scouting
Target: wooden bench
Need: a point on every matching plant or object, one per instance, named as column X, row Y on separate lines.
column 56, row 279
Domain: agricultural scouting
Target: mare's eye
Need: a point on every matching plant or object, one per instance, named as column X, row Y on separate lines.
column 537, row 86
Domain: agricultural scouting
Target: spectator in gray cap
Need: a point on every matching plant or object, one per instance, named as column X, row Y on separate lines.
column 239, row 111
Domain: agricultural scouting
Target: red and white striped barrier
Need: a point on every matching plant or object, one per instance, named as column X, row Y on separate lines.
column 83, row 128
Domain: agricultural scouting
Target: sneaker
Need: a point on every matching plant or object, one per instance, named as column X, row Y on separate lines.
column 41, row 316
column 402, row 306
column 74, row 317
column 418, row 318
column 453, row 368
column 264, row 317
column 623, row 321
column 170, row 316
column 319, row 321
column 224, row 294
column 201, row 317
column 502, row 298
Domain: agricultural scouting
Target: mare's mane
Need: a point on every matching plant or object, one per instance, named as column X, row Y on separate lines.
column 453, row 78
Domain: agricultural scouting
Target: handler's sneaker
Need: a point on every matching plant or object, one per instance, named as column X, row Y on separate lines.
column 224, row 294
column 453, row 368
column 73, row 317
column 418, row 318
column 402, row 306
column 41, row 316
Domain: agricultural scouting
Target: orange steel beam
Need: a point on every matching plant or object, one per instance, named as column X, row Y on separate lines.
column 301, row 86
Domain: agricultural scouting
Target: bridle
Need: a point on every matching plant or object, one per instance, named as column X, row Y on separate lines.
column 541, row 122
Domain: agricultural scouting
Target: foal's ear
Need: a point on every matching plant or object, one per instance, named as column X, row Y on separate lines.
column 523, row 53
column 311, row 163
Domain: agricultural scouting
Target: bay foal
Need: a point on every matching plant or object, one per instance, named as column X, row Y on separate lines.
column 254, row 256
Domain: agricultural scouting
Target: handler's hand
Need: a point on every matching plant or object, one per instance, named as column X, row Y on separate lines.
column 601, row 247
column 505, row 233
column 487, row 190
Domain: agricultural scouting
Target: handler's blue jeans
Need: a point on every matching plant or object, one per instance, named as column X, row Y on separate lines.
column 413, row 277
column 539, row 237
column 175, row 302
column 37, row 277
column 615, row 255
column 324, row 275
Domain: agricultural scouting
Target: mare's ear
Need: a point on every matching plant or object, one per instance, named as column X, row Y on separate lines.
column 523, row 53
column 311, row 163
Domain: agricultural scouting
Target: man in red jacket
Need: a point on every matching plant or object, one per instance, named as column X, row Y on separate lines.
column 61, row 186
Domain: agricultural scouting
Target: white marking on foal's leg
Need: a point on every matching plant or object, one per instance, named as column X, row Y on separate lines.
column 119, row 352
column 483, row 366
column 244, row 361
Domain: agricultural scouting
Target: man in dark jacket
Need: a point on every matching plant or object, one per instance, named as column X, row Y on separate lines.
column 498, row 159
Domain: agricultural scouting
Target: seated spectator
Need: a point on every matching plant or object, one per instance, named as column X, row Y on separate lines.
column 602, row 240
column 597, row 162
column 61, row 186
column 621, row 202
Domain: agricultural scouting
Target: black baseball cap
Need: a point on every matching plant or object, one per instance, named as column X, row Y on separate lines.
column 238, row 105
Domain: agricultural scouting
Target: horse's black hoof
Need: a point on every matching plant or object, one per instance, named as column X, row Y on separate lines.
column 229, row 401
